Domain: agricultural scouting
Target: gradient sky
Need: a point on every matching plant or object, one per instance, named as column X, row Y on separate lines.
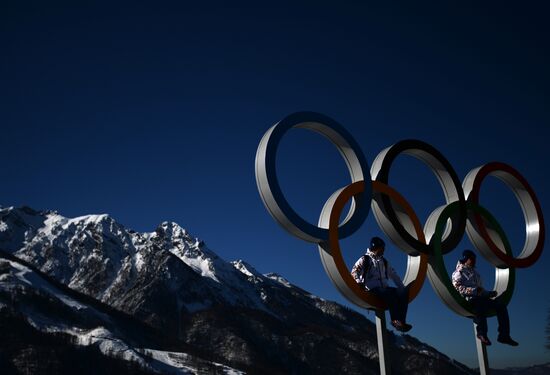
column 153, row 112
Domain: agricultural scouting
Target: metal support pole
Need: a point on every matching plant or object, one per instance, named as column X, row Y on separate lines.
column 481, row 355
column 382, row 339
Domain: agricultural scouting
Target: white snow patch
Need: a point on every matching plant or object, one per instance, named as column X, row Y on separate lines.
column 252, row 275
column 106, row 341
column 241, row 267
column 28, row 277
column 171, row 359
column 202, row 265
column 249, row 271
column 139, row 261
column 54, row 220
column 279, row 279
column 50, row 223
column 86, row 219
column 180, row 361
column 232, row 371
column 316, row 298
column 199, row 264
column 108, row 344
column 3, row 226
column 148, row 235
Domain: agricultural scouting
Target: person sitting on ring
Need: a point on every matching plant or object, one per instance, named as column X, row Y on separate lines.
column 467, row 282
column 372, row 272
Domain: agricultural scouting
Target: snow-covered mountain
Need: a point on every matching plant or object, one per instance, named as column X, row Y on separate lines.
column 163, row 302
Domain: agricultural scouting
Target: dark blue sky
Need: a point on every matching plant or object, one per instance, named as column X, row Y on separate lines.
column 153, row 112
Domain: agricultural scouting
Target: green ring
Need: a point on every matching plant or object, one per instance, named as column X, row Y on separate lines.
column 437, row 272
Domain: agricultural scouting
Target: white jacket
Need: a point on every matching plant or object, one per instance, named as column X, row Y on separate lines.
column 370, row 271
column 466, row 280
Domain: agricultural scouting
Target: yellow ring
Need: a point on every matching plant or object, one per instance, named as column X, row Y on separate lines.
column 331, row 254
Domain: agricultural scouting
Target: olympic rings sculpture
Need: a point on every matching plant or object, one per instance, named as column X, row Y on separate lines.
column 424, row 247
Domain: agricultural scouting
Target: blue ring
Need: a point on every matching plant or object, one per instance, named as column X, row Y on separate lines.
column 268, row 183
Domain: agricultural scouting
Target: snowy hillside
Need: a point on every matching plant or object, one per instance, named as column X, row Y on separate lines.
column 164, row 302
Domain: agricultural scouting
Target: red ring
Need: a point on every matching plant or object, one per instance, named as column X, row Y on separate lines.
column 529, row 254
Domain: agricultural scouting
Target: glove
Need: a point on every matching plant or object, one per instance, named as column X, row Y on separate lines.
column 489, row 294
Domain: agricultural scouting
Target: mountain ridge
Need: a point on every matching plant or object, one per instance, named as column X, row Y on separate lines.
column 212, row 312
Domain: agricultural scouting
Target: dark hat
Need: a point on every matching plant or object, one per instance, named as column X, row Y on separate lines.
column 467, row 254
column 377, row 242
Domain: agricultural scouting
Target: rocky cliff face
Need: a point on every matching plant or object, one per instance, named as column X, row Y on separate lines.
column 164, row 302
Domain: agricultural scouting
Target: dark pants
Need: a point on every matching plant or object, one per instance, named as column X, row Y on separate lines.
column 396, row 299
column 481, row 306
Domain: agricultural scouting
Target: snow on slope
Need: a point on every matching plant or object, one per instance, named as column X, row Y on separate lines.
column 181, row 362
column 15, row 276
column 96, row 255
column 158, row 276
